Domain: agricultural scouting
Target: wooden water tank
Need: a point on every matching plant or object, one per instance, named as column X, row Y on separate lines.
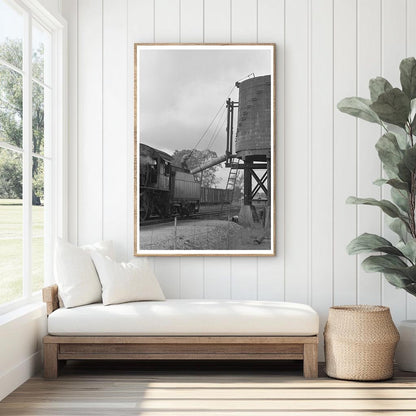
column 254, row 128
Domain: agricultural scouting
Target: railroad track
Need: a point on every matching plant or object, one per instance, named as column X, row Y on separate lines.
column 199, row 215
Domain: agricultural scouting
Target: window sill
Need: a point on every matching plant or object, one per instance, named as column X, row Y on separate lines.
column 32, row 306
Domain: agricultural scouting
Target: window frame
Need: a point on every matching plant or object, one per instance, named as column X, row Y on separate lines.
column 58, row 226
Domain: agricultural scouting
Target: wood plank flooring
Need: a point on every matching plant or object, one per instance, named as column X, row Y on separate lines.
column 206, row 388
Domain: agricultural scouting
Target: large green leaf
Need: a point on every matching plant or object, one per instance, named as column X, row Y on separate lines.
column 380, row 182
column 410, row 158
column 392, row 107
column 388, row 207
column 395, row 183
column 401, row 137
column 389, row 151
column 411, row 289
column 394, row 269
column 408, row 249
column 359, row 107
column 381, row 263
column 398, row 184
column 378, row 86
column 404, row 173
column 414, row 126
column 410, row 272
column 400, row 228
column 366, row 243
column 390, row 173
column 397, row 280
column 400, row 198
column 408, row 77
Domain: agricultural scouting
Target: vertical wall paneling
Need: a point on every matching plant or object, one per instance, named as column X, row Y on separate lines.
column 271, row 29
column 368, row 163
column 411, row 51
column 321, row 148
column 192, row 278
column 345, row 151
column 168, row 274
column 296, row 152
column 217, row 278
column 217, row 21
column 191, row 31
column 167, row 20
column 70, row 11
column 140, row 29
column 167, row 29
column 244, row 278
column 90, row 183
column 192, row 21
column 217, row 26
column 244, row 21
column 244, row 29
column 114, row 124
column 393, row 51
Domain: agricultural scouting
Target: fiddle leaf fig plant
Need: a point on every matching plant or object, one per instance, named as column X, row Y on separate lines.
column 394, row 109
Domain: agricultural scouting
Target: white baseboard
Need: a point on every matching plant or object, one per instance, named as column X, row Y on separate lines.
column 11, row 379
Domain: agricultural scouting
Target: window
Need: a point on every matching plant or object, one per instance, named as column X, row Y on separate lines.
column 31, row 136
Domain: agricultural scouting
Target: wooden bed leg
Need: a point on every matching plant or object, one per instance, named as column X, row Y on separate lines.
column 50, row 360
column 310, row 360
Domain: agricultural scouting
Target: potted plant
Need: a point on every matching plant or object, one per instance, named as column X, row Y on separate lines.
column 394, row 109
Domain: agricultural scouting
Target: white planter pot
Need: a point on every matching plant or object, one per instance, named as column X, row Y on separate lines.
column 406, row 350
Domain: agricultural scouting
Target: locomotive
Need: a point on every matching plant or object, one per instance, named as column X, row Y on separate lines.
column 168, row 189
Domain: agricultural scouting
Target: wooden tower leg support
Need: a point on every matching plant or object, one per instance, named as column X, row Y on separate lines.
column 310, row 360
column 50, row 360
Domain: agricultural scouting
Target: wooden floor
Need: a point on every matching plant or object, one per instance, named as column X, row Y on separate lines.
column 226, row 389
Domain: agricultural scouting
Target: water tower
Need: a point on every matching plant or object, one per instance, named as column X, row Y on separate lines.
column 252, row 141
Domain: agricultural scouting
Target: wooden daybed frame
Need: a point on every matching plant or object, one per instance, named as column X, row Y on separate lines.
column 58, row 349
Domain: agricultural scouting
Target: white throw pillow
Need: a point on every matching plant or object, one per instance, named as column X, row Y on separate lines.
column 126, row 282
column 75, row 273
column 104, row 247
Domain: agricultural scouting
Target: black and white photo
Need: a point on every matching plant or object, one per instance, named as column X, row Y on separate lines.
column 204, row 149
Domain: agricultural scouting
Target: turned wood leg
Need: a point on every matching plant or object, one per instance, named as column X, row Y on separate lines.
column 50, row 360
column 310, row 360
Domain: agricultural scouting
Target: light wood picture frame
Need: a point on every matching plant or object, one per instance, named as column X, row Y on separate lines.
column 204, row 150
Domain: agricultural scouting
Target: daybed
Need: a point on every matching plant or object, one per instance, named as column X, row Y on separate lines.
column 181, row 329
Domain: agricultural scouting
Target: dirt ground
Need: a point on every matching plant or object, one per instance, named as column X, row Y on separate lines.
column 203, row 235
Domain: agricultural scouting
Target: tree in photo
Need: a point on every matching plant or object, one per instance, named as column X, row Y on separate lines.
column 11, row 116
column 196, row 158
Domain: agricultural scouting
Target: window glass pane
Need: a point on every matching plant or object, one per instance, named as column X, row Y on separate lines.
column 41, row 46
column 11, row 226
column 38, row 229
column 11, row 107
column 11, row 34
column 40, row 118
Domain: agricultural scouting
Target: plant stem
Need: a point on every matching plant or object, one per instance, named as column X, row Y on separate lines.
column 412, row 196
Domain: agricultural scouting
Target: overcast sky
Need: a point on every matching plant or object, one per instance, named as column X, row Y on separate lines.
column 180, row 91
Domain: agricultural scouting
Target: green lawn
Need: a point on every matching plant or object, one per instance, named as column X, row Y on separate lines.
column 11, row 248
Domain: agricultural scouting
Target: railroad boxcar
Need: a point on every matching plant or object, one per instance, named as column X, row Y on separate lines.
column 216, row 196
column 185, row 193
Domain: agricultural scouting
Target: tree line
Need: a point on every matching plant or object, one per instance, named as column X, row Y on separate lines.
column 11, row 122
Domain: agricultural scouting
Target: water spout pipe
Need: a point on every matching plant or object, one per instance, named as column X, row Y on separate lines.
column 210, row 163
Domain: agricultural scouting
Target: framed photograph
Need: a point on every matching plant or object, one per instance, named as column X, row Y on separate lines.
column 204, row 131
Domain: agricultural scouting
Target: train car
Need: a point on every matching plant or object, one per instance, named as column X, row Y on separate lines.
column 216, row 196
column 165, row 189
column 185, row 193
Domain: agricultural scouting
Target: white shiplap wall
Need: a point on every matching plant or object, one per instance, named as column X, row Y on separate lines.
column 326, row 50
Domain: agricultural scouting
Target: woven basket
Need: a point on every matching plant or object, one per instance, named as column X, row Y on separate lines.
column 360, row 342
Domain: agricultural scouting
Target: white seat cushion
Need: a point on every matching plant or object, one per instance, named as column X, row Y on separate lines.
column 187, row 317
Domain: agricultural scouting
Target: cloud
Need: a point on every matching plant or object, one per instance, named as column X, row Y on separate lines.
column 180, row 91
